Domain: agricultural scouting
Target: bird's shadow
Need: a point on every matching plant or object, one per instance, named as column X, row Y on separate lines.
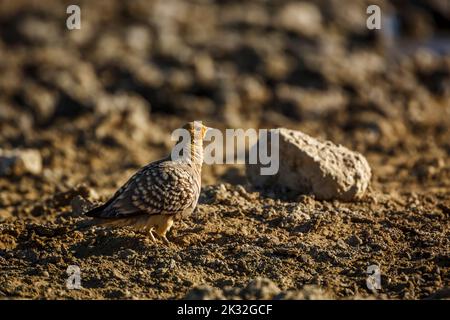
column 109, row 245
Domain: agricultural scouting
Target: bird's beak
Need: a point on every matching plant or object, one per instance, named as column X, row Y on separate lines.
column 205, row 129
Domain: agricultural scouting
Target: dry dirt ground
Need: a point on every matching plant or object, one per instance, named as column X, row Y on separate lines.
column 100, row 102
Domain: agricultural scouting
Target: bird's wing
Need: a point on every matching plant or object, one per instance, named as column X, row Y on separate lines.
column 160, row 188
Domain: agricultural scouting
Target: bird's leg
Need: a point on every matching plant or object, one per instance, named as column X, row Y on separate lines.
column 162, row 228
column 150, row 233
column 164, row 239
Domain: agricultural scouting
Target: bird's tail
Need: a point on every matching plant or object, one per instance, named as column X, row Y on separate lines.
column 97, row 211
column 92, row 213
column 97, row 220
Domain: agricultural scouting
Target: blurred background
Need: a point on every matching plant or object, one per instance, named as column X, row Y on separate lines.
column 97, row 103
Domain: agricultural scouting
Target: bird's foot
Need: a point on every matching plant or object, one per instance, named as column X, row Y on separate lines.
column 164, row 239
column 160, row 236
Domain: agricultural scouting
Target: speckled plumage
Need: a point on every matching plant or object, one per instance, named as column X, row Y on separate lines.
column 158, row 192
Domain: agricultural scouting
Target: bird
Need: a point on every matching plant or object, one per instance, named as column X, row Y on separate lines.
column 160, row 191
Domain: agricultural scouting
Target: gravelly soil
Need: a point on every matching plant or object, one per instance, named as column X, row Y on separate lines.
column 235, row 236
column 99, row 104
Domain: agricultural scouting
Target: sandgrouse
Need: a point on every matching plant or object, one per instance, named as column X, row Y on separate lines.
column 160, row 191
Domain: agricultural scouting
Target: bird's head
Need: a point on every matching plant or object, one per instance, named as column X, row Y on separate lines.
column 196, row 130
column 190, row 142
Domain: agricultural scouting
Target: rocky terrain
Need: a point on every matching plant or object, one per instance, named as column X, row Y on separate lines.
column 82, row 110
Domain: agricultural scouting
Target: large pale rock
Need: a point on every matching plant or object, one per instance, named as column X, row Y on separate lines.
column 17, row 162
column 309, row 166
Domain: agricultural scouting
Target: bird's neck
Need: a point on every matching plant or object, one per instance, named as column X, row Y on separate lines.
column 197, row 154
column 192, row 153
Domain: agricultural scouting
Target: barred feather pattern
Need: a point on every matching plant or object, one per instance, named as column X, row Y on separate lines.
column 162, row 187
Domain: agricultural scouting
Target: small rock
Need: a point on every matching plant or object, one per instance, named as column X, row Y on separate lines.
column 354, row 241
column 41, row 101
column 7, row 242
column 80, row 205
column 4, row 215
column 17, row 162
column 138, row 39
column 300, row 17
column 123, row 116
column 204, row 292
column 127, row 254
column 38, row 30
column 86, row 191
column 311, row 103
column 204, row 68
column 309, row 166
column 308, row 292
column 260, row 288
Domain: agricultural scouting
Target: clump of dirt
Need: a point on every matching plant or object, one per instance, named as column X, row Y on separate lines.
column 98, row 103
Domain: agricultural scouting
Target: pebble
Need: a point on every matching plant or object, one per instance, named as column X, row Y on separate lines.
column 20, row 161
